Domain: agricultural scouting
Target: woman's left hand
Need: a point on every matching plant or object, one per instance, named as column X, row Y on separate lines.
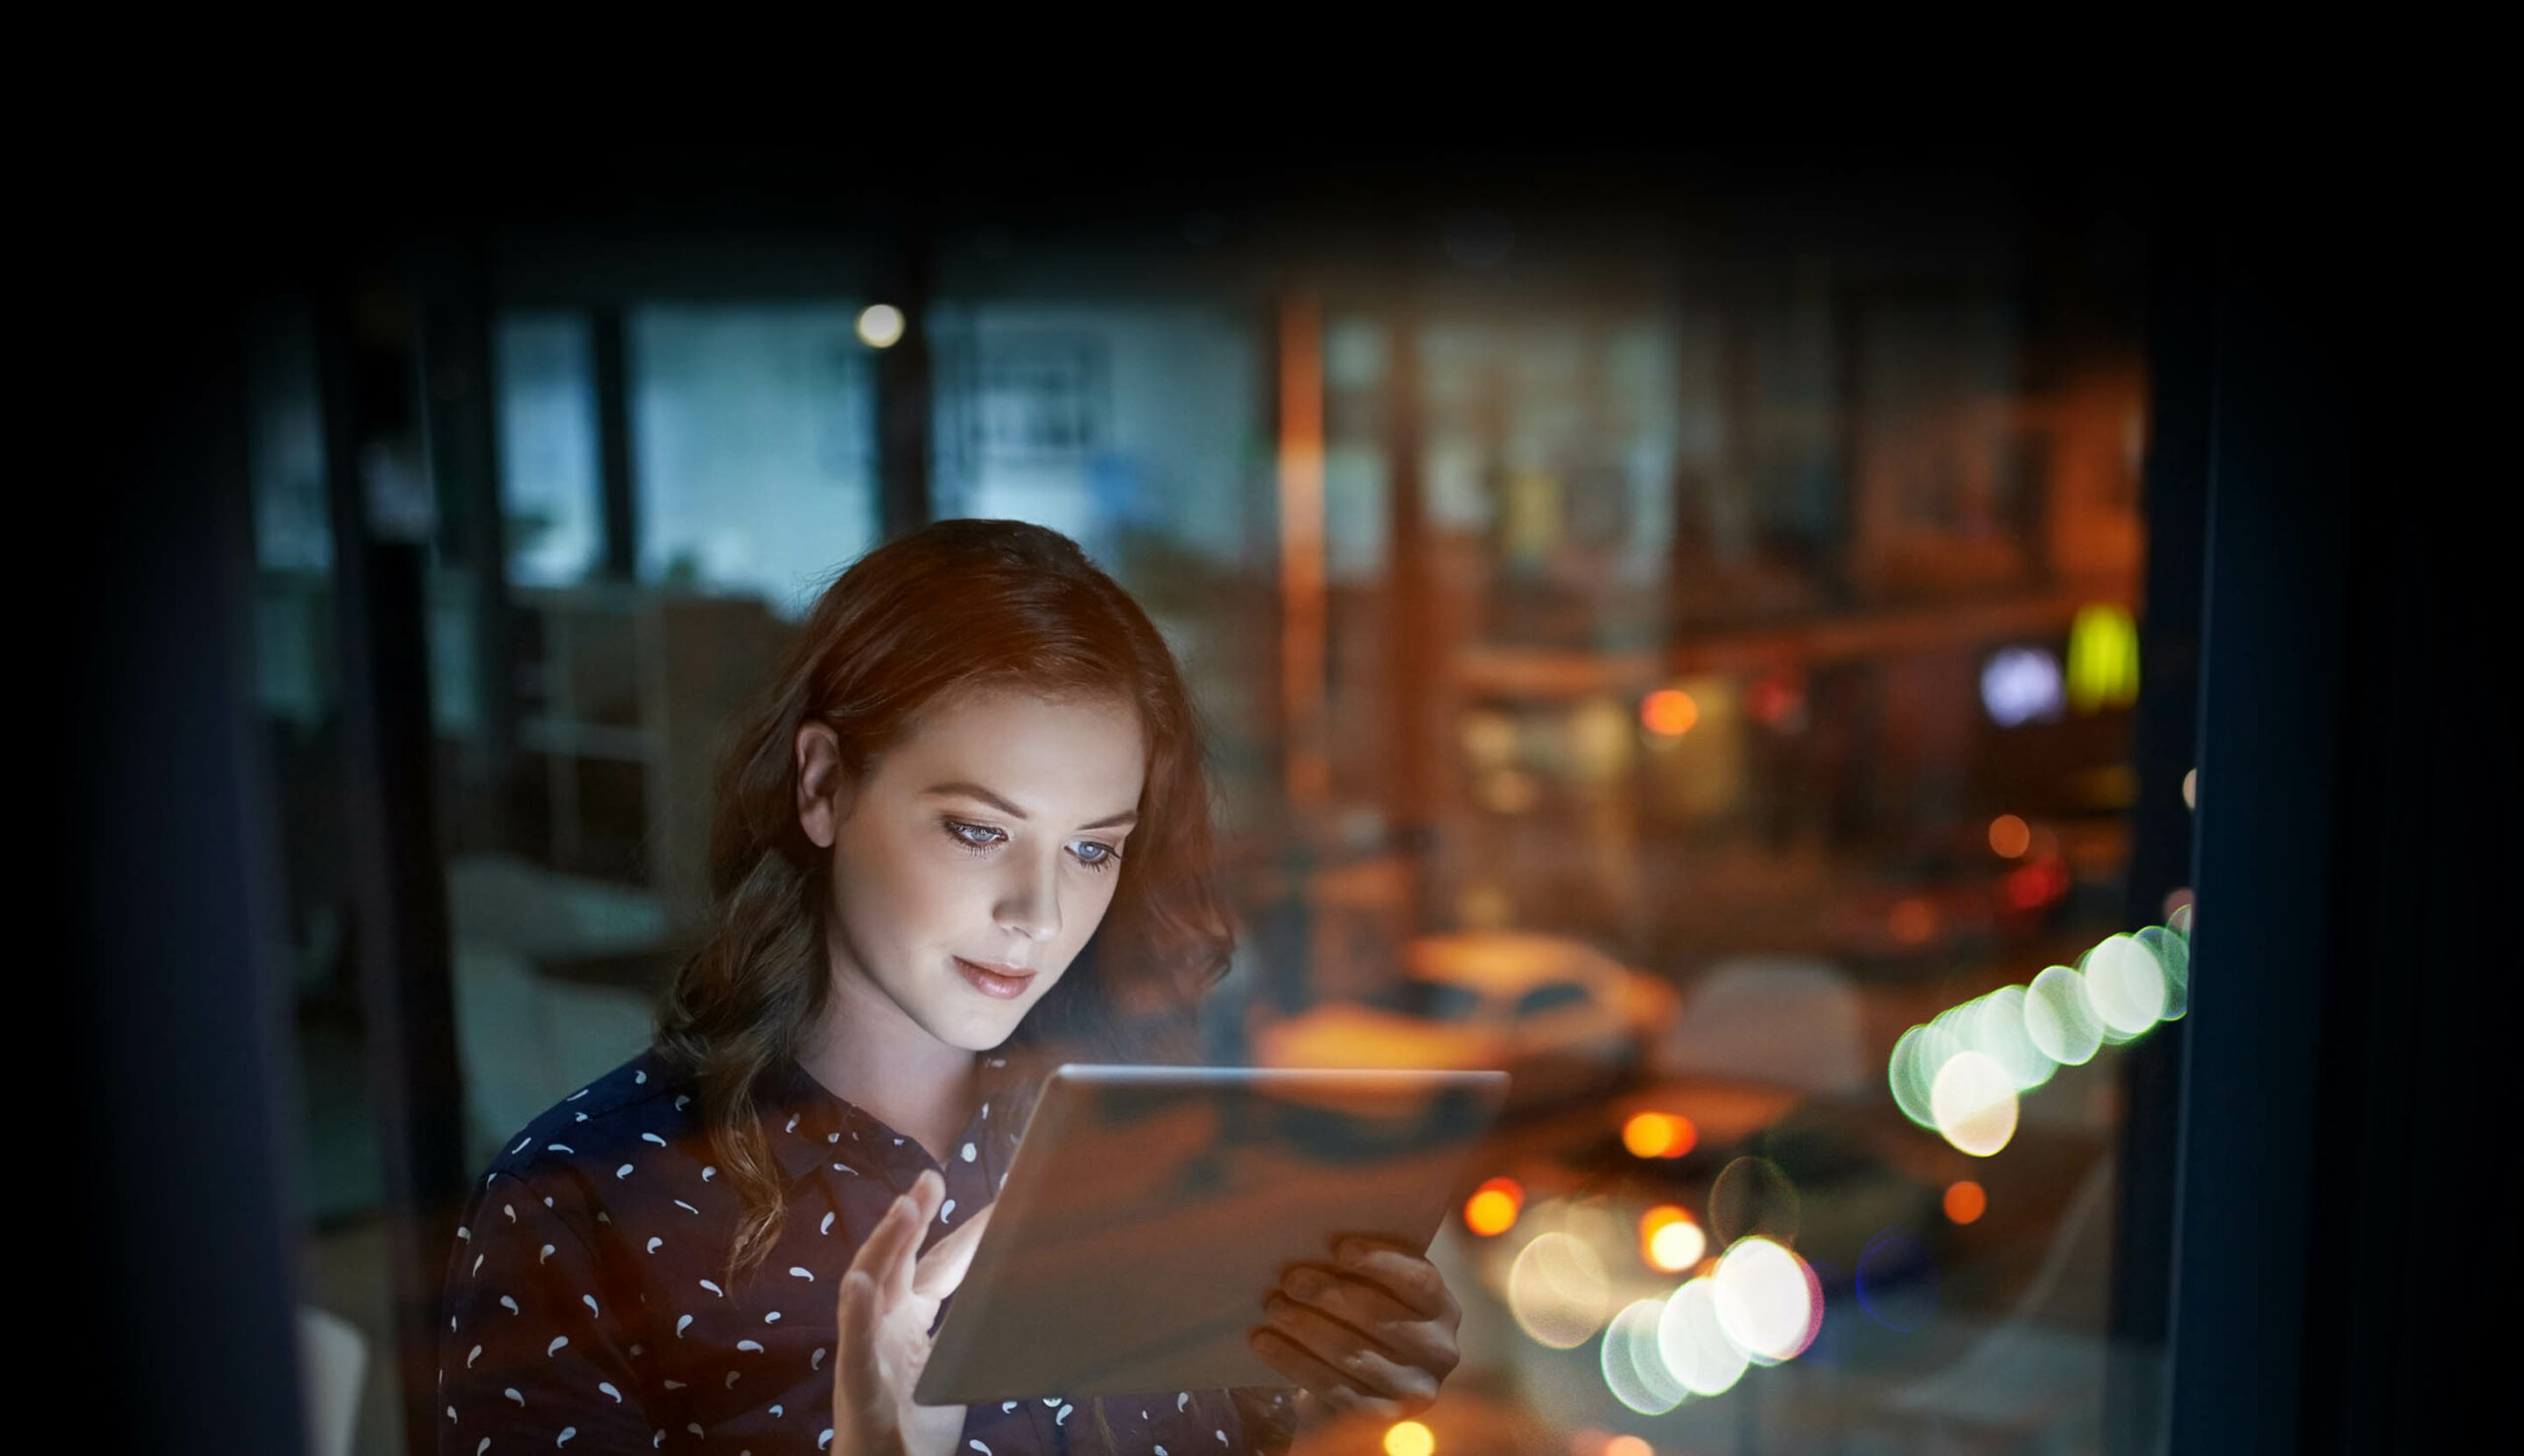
column 1371, row 1333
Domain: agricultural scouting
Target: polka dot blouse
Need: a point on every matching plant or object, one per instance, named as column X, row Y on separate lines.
column 588, row 1306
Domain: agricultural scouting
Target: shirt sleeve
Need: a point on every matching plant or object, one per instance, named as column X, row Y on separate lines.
column 530, row 1356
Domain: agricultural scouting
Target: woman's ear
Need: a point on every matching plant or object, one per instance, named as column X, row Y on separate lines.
column 823, row 786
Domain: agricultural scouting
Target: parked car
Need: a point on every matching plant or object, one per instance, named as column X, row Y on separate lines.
column 1561, row 1017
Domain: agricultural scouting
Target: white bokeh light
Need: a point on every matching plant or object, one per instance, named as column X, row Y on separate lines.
column 1557, row 1290
column 1634, row 1369
column 2057, row 1019
column 880, row 326
column 1994, row 1027
column 1975, row 1103
column 1765, row 1300
column 1695, row 1343
column 2126, row 985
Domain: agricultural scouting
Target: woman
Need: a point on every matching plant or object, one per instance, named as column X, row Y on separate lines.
column 963, row 838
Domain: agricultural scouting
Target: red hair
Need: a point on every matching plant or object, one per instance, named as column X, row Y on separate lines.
column 957, row 605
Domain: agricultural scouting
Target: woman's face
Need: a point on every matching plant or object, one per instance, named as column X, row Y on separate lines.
column 978, row 854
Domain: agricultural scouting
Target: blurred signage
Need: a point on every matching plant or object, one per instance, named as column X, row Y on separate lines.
column 2021, row 685
column 2103, row 658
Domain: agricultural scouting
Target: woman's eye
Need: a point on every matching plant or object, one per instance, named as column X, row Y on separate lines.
column 972, row 836
column 1095, row 854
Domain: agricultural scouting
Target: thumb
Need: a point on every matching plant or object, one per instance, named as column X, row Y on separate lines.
column 941, row 1269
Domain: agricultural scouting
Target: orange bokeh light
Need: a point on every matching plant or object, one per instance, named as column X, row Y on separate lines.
column 1494, row 1206
column 1914, row 922
column 1668, row 713
column 1965, row 1200
column 1628, row 1445
column 1659, row 1134
column 2009, row 837
column 1671, row 1252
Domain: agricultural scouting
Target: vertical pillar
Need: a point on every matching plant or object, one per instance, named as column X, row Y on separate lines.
column 2176, row 475
column 1306, row 771
column 612, row 366
column 180, row 1269
column 460, row 440
column 905, row 397
column 380, row 546
column 2272, row 685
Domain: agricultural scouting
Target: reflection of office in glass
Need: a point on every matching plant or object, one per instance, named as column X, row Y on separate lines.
column 551, row 481
column 754, row 453
column 1722, row 656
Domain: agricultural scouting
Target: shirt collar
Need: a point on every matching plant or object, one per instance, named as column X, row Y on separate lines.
column 810, row 1126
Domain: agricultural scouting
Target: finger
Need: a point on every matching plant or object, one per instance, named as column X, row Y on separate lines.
column 941, row 1270
column 928, row 1192
column 1355, row 1357
column 860, row 1397
column 1406, row 1276
column 1326, row 1384
column 889, row 1244
column 1383, row 1320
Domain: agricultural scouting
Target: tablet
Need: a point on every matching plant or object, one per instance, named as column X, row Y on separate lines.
column 1148, row 1211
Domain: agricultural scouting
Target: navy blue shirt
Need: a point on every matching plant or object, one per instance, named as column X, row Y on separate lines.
column 588, row 1306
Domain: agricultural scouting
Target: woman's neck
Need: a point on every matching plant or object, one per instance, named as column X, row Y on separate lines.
column 870, row 1053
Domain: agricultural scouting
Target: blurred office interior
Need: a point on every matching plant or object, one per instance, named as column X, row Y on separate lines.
column 1721, row 638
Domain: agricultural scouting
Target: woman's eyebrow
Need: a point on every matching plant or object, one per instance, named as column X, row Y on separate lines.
column 964, row 788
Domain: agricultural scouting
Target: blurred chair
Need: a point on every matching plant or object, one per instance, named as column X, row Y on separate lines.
column 523, row 1040
column 332, row 1361
column 1779, row 1020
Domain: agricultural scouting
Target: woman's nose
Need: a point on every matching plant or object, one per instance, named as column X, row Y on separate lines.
column 1029, row 903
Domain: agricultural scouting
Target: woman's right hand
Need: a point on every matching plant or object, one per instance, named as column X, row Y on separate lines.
column 888, row 1299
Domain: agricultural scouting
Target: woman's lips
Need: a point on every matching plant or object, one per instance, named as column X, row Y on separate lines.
column 988, row 982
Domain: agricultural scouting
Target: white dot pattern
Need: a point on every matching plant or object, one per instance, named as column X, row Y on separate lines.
column 589, row 1305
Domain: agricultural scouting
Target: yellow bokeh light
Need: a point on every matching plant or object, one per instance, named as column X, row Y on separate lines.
column 1668, row 713
column 1409, row 1438
column 1659, row 1134
column 1494, row 1206
column 1647, row 1135
column 2103, row 658
column 1973, row 1102
column 1489, row 1213
column 2009, row 837
column 880, row 326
